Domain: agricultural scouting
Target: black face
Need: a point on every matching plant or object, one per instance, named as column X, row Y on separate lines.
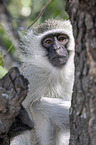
column 56, row 44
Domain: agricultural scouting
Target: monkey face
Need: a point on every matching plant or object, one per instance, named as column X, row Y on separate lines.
column 56, row 46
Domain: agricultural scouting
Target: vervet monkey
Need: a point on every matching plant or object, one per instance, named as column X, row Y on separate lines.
column 48, row 64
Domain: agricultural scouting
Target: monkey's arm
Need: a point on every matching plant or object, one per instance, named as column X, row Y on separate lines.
column 51, row 117
column 55, row 109
column 23, row 139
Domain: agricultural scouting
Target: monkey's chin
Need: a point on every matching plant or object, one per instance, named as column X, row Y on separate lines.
column 59, row 62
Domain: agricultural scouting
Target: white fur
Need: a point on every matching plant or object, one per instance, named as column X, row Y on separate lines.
column 50, row 91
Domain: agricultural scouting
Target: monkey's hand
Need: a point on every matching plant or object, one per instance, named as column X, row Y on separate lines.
column 13, row 90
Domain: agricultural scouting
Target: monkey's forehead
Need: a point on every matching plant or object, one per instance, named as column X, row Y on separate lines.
column 52, row 24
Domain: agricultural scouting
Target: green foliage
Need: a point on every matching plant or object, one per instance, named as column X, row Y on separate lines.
column 5, row 39
column 3, row 71
column 30, row 8
column 1, row 59
column 56, row 10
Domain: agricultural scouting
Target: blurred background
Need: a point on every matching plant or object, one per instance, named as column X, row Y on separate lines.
column 15, row 17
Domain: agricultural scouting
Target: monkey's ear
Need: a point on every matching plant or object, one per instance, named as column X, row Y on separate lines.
column 22, row 123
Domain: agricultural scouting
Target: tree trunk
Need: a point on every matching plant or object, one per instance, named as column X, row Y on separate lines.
column 14, row 119
column 83, row 112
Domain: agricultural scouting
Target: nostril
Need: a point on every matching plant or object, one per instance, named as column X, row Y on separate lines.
column 54, row 49
column 58, row 48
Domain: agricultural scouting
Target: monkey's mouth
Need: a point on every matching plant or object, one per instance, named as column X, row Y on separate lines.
column 59, row 60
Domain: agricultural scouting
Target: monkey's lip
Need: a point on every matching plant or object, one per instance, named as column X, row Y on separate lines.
column 59, row 60
column 59, row 57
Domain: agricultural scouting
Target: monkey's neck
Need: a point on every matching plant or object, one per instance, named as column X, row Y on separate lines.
column 47, row 81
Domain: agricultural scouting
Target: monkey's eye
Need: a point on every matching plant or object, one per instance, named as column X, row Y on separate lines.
column 62, row 38
column 47, row 42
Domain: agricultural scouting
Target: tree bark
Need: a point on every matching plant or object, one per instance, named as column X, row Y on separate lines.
column 83, row 111
column 13, row 117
